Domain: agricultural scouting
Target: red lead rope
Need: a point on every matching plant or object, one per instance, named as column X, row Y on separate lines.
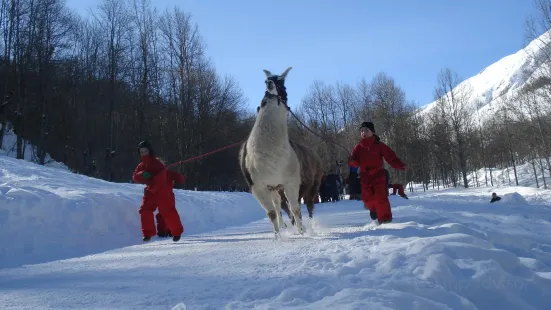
column 206, row 154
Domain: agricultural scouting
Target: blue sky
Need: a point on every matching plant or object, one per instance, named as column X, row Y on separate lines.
column 346, row 40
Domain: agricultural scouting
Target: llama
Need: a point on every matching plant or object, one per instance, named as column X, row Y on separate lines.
column 270, row 162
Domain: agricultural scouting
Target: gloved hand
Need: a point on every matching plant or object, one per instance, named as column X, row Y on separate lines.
column 146, row 175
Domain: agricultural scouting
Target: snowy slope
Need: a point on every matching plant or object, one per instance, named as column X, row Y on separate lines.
column 506, row 177
column 48, row 214
column 448, row 249
column 504, row 78
column 9, row 149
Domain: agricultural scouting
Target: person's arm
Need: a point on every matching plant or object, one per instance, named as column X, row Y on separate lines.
column 391, row 158
column 354, row 160
column 175, row 176
column 137, row 176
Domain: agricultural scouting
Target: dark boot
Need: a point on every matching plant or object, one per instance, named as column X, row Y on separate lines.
column 373, row 215
column 145, row 239
column 176, row 238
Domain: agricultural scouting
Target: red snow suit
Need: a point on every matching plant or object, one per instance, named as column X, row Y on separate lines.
column 368, row 155
column 157, row 194
column 173, row 176
column 399, row 188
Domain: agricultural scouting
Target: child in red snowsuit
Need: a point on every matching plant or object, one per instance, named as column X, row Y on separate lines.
column 157, row 194
column 162, row 229
column 369, row 155
column 400, row 189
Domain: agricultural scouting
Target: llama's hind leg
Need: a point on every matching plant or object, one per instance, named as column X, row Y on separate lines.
column 311, row 194
column 262, row 194
column 292, row 193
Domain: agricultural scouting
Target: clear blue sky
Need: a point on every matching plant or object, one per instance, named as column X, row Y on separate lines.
column 346, row 40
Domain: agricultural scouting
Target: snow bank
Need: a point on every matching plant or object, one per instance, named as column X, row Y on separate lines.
column 513, row 198
column 9, row 144
column 48, row 214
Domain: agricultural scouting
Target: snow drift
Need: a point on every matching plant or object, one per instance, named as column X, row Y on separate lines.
column 8, row 149
column 48, row 214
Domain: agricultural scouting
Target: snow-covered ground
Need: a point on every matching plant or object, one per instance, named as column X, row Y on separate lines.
column 9, row 149
column 448, row 249
column 48, row 213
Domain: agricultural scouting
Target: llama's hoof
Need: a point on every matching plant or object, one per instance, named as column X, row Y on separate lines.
column 283, row 225
column 277, row 236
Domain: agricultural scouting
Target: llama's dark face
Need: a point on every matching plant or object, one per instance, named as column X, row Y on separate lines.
column 275, row 84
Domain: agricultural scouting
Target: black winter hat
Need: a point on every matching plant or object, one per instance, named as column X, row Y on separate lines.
column 368, row 125
column 147, row 145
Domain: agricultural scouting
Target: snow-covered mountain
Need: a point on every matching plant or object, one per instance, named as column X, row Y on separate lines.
column 506, row 77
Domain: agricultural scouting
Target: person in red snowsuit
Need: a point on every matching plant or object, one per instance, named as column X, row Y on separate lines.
column 162, row 229
column 400, row 189
column 368, row 155
column 157, row 194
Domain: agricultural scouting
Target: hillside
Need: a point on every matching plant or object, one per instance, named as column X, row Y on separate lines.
column 504, row 78
column 9, row 149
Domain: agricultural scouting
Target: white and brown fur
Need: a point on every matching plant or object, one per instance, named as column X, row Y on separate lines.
column 311, row 172
column 270, row 162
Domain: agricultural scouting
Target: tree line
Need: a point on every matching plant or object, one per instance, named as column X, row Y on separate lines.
column 86, row 89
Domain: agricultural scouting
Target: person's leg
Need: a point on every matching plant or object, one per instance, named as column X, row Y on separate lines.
column 146, row 217
column 162, row 229
column 381, row 202
column 167, row 208
column 367, row 198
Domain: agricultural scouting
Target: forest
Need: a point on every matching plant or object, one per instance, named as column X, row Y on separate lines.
column 86, row 90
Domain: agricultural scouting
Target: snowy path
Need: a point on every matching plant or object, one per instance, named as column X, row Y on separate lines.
column 440, row 253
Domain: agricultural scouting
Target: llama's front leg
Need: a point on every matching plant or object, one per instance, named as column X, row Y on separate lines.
column 291, row 191
column 276, row 200
column 262, row 194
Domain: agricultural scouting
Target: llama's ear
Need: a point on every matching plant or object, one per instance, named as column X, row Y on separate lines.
column 268, row 73
column 257, row 109
column 283, row 76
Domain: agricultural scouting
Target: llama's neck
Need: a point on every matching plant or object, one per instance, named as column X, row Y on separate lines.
column 270, row 129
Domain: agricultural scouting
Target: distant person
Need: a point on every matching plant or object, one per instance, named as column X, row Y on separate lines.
column 157, row 194
column 368, row 155
column 495, row 198
column 400, row 188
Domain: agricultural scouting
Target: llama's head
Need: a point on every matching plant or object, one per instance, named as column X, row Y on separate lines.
column 275, row 87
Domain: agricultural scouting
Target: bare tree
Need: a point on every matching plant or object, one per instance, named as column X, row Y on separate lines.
column 454, row 100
